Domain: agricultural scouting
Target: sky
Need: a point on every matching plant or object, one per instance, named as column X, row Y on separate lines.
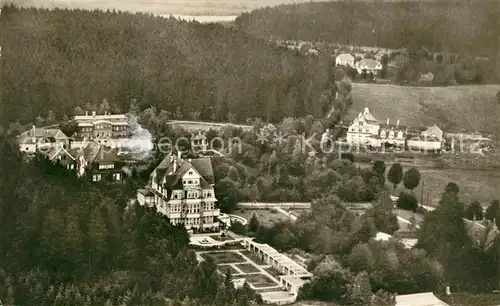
column 182, row 7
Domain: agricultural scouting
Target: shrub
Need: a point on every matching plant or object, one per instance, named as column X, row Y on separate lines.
column 237, row 227
column 407, row 201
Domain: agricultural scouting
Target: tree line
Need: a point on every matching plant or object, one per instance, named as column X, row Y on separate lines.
column 56, row 60
column 68, row 242
column 453, row 34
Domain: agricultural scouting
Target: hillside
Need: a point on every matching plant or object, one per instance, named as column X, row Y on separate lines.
column 56, row 60
column 447, row 26
column 473, row 108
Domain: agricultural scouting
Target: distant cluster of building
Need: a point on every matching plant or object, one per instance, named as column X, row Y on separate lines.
column 366, row 130
column 360, row 63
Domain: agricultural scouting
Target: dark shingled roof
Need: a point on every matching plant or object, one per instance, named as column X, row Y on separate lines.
column 173, row 180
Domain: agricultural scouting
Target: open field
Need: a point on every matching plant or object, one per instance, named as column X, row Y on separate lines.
column 474, row 185
column 224, row 257
column 465, row 299
column 471, row 107
column 265, row 216
column 189, row 7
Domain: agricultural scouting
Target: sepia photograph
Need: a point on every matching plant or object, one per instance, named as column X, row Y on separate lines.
column 249, row 152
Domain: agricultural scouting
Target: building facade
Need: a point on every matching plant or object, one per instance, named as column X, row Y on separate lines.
column 183, row 191
column 368, row 65
column 366, row 130
column 344, row 60
column 105, row 126
column 42, row 138
column 363, row 128
column 99, row 163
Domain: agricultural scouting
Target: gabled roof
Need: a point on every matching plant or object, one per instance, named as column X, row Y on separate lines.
column 370, row 63
column 394, row 127
column 173, row 179
column 98, row 153
column 49, row 133
column 54, row 152
column 345, row 57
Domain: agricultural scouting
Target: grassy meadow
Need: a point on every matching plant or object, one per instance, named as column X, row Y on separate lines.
column 483, row 186
column 473, row 108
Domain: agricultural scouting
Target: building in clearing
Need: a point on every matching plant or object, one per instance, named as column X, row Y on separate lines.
column 42, row 138
column 344, row 60
column 365, row 129
column 98, row 127
column 183, row 191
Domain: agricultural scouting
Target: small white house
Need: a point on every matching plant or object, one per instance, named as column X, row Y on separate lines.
column 344, row 60
column 369, row 65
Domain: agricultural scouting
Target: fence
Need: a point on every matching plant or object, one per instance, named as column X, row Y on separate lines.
column 261, row 205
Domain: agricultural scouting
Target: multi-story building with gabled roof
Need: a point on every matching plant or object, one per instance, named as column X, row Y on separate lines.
column 183, row 191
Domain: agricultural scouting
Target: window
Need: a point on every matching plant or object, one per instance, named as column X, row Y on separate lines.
column 190, row 182
column 190, row 173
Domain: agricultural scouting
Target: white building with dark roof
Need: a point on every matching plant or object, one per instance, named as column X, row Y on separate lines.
column 94, row 126
column 345, row 59
column 368, row 65
column 183, row 191
column 367, row 130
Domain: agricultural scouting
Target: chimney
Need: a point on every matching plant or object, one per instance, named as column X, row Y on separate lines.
column 93, row 113
column 366, row 111
column 179, row 155
column 33, row 135
column 388, row 121
column 397, row 123
column 174, row 166
column 86, row 113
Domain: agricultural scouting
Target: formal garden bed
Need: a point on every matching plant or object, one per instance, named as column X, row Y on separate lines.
column 260, row 280
column 273, row 272
column 253, row 257
column 223, row 257
column 224, row 268
column 247, row 268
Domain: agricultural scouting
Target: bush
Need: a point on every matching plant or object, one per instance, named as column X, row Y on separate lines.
column 407, row 201
column 238, row 228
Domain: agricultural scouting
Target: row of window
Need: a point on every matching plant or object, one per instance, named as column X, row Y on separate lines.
column 191, row 182
column 106, row 166
column 190, row 195
column 98, row 177
column 192, row 208
column 192, row 221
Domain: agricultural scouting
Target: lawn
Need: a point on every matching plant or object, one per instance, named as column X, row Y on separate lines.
column 223, row 269
column 474, row 185
column 465, row 299
column 458, row 107
column 256, row 259
column 266, row 217
column 247, row 268
column 224, row 257
column 260, row 280
column 273, row 272
column 220, row 238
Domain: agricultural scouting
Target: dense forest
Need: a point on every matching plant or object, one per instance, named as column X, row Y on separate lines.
column 67, row 242
column 466, row 27
column 59, row 59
